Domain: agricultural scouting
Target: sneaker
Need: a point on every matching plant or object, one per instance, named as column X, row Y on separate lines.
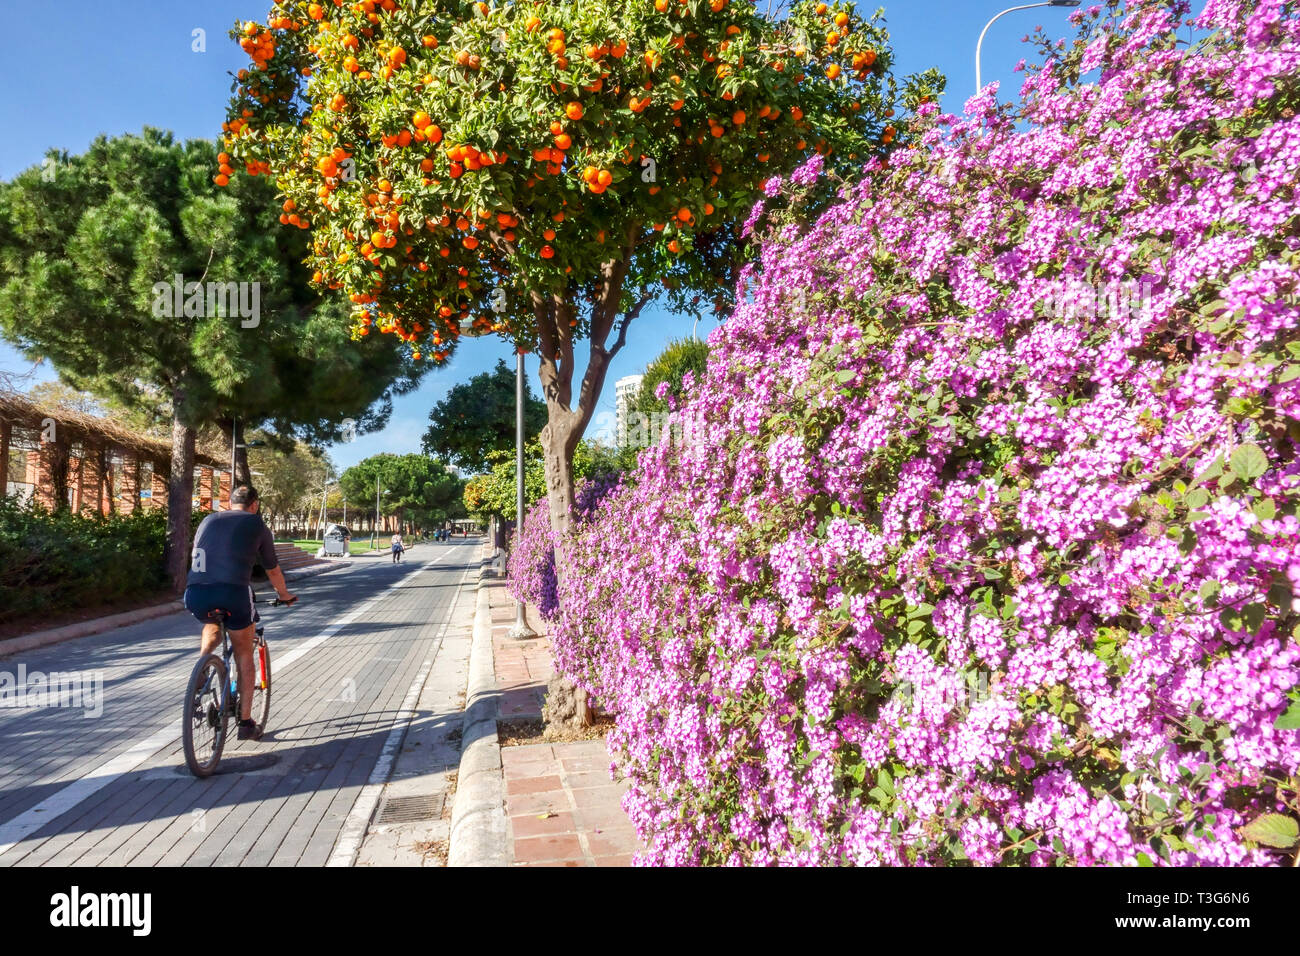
column 250, row 730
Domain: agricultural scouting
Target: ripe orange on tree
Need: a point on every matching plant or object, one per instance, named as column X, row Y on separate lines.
column 517, row 181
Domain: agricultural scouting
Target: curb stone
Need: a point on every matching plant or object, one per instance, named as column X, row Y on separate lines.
column 69, row 632
column 479, row 834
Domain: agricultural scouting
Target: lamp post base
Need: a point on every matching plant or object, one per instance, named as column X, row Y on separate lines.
column 521, row 630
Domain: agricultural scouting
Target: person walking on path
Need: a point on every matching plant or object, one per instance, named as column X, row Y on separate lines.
column 398, row 547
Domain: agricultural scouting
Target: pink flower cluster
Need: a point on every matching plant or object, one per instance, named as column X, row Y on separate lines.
column 532, row 551
column 964, row 576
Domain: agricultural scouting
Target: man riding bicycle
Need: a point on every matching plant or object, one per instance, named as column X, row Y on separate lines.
column 226, row 547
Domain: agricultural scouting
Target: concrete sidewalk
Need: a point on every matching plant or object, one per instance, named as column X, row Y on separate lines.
column 561, row 804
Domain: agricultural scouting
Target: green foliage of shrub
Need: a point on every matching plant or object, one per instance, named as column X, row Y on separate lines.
column 59, row 561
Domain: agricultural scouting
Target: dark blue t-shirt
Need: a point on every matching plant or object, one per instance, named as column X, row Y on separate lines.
column 227, row 545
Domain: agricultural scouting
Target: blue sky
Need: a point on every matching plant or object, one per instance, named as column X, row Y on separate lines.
column 127, row 64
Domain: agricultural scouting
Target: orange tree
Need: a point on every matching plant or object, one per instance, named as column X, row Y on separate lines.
column 543, row 170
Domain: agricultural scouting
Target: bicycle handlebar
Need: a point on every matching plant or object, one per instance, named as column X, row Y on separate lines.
column 278, row 603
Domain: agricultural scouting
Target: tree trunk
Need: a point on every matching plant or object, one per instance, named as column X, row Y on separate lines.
column 556, row 317
column 104, row 486
column 58, row 453
column 559, row 441
column 180, row 491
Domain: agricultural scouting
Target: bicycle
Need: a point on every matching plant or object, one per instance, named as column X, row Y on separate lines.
column 212, row 697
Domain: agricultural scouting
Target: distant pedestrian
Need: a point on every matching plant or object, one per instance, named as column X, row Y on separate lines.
column 397, row 547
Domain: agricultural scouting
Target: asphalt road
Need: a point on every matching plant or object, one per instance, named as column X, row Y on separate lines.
column 100, row 778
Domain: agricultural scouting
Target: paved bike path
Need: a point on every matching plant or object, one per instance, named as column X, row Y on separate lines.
column 112, row 789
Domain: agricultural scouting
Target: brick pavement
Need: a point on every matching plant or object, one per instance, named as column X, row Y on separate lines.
column 281, row 801
column 522, row 666
column 564, row 808
column 562, row 804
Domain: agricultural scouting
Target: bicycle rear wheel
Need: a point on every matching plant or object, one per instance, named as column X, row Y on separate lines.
column 206, row 715
column 262, row 685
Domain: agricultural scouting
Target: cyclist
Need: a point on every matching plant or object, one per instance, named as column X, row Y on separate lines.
column 226, row 546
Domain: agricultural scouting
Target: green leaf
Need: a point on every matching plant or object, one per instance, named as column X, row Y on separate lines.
column 1273, row 829
column 1290, row 720
column 1248, row 462
column 1210, row 473
column 1209, row 590
column 1197, row 498
column 885, row 782
column 1279, row 593
column 845, row 375
column 1265, row 509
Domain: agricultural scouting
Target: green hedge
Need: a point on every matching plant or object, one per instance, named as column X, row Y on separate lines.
column 60, row 561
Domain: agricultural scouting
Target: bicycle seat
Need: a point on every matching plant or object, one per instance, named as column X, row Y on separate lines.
column 217, row 614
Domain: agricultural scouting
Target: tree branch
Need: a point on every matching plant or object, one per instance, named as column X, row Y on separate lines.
column 613, row 274
column 631, row 314
column 563, row 344
column 546, row 347
column 499, row 242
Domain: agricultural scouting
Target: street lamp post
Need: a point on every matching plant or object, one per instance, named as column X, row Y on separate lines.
column 521, row 628
column 375, row 540
column 235, row 445
column 1028, row 6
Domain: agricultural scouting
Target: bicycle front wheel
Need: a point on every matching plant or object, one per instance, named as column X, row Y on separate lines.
column 262, row 685
column 206, row 715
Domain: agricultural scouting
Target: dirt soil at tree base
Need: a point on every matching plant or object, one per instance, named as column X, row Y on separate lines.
column 517, row 733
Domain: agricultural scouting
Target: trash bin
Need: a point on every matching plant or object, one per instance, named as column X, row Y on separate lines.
column 336, row 541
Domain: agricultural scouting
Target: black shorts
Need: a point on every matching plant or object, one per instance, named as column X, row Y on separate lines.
column 235, row 599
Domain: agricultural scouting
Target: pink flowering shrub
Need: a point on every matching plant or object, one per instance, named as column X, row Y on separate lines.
column 532, row 562
column 532, row 552
column 987, row 550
